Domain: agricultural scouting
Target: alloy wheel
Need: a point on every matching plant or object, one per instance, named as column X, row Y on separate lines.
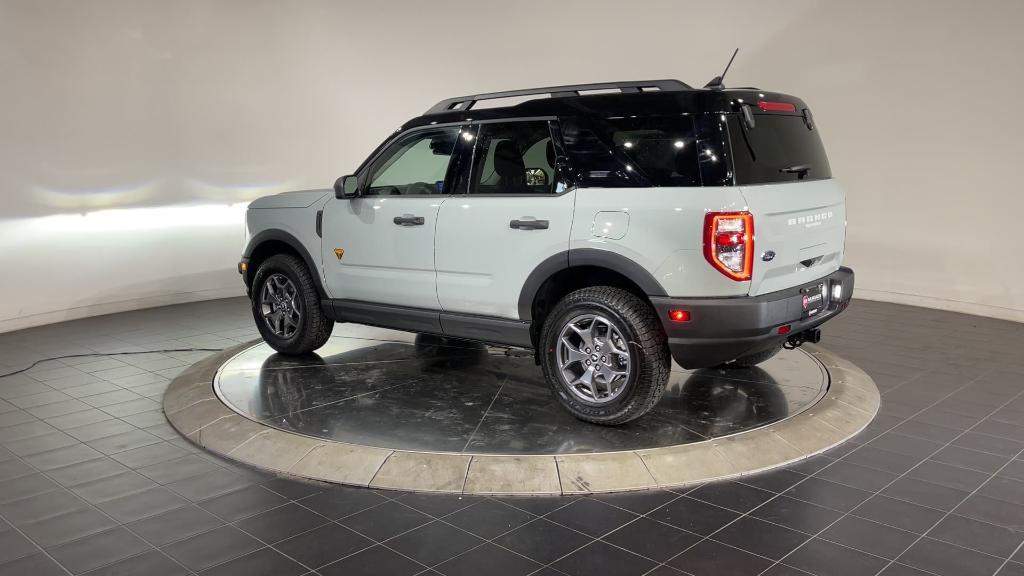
column 593, row 358
column 280, row 305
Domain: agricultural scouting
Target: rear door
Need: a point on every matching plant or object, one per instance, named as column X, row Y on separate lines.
column 799, row 209
column 510, row 212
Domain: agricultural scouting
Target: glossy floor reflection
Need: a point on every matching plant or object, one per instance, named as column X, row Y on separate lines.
column 399, row 391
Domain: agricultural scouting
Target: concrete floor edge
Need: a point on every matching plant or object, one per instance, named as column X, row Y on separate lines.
column 193, row 408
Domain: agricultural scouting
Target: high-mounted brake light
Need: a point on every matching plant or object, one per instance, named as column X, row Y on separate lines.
column 729, row 243
column 776, row 106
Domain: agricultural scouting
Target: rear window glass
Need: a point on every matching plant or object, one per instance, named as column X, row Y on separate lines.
column 779, row 148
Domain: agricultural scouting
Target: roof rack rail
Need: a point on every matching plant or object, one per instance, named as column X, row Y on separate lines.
column 467, row 102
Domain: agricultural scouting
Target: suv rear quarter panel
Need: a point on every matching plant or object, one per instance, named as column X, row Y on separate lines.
column 664, row 233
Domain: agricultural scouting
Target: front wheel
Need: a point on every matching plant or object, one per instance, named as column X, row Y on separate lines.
column 605, row 357
column 286, row 306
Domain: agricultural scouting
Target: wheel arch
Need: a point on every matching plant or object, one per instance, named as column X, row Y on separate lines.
column 571, row 270
column 269, row 242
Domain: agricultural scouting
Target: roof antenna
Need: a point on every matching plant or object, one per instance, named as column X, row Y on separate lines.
column 716, row 82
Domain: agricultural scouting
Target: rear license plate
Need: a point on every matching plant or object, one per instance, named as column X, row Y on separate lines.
column 812, row 299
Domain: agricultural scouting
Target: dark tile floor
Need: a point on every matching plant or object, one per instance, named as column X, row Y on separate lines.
column 92, row 480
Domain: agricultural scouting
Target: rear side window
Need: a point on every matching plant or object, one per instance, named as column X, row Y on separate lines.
column 661, row 148
column 779, row 148
column 633, row 151
column 512, row 158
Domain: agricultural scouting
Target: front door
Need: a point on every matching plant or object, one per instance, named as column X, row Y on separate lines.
column 379, row 247
column 510, row 212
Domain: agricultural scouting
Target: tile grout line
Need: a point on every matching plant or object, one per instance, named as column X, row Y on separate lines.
column 481, row 422
column 1009, row 558
column 747, row 513
column 118, row 524
column 897, row 478
column 962, row 500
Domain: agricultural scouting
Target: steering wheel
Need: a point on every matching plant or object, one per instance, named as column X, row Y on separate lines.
column 421, row 188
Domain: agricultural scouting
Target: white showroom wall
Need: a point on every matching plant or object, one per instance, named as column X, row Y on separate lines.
column 132, row 133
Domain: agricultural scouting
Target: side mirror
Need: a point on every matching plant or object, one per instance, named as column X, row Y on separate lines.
column 346, row 187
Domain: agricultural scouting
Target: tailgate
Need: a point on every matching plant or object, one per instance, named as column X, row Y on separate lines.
column 804, row 224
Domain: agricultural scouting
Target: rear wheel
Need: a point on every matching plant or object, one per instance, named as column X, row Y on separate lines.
column 605, row 356
column 286, row 306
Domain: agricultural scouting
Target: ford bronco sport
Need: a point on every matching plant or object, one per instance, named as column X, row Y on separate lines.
column 609, row 227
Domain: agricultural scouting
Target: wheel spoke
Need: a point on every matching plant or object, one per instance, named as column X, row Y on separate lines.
column 280, row 305
column 585, row 335
column 614, row 346
column 595, row 339
column 570, row 353
column 593, row 358
column 587, row 379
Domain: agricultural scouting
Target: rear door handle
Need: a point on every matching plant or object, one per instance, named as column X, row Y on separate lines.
column 529, row 224
column 409, row 220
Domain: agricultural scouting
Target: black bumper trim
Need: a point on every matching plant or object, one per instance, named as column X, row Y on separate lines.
column 723, row 329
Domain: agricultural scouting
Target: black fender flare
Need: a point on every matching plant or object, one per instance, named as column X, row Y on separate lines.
column 295, row 244
column 584, row 257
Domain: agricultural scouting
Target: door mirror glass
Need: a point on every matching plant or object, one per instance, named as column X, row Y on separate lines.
column 536, row 177
column 346, row 187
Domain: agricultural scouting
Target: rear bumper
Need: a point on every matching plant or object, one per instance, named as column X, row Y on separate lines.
column 723, row 329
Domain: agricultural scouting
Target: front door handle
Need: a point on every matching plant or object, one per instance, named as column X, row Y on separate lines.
column 529, row 224
column 409, row 220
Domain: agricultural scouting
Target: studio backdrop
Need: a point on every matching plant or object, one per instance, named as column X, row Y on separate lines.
column 133, row 133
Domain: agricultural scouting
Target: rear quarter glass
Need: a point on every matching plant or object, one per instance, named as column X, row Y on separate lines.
column 779, row 148
column 633, row 151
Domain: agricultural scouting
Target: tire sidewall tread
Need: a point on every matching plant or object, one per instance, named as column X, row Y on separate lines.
column 651, row 362
column 314, row 327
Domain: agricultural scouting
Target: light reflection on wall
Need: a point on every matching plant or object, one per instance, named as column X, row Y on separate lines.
column 102, row 261
column 169, row 112
column 123, row 219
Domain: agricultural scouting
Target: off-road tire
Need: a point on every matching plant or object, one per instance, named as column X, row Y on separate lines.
column 314, row 327
column 754, row 358
column 649, row 355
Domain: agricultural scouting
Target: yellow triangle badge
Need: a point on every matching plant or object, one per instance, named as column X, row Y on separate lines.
column 339, row 252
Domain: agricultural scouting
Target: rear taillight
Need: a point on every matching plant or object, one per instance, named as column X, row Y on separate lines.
column 729, row 243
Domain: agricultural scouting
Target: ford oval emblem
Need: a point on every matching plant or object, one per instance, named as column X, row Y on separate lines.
column 768, row 256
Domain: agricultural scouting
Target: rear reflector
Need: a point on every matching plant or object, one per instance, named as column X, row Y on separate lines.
column 729, row 243
column 776, row 106
column 679, row 315
column 785, row 329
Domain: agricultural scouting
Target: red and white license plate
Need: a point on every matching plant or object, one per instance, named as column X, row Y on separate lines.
column 812, row 299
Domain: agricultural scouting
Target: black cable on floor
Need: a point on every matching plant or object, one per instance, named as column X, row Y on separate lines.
column 38, row 362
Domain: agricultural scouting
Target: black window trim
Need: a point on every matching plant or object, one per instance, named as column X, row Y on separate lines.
column 562, row 169
column 363, row 173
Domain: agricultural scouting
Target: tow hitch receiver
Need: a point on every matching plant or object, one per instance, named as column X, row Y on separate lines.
column 813, row 336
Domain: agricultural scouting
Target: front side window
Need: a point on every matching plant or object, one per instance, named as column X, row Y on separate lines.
column 513, row 158
column 415, row 164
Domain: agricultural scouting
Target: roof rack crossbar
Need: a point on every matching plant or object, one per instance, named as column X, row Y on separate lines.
column 467, row 102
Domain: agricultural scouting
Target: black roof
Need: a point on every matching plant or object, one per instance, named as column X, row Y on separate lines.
column 670, row 97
